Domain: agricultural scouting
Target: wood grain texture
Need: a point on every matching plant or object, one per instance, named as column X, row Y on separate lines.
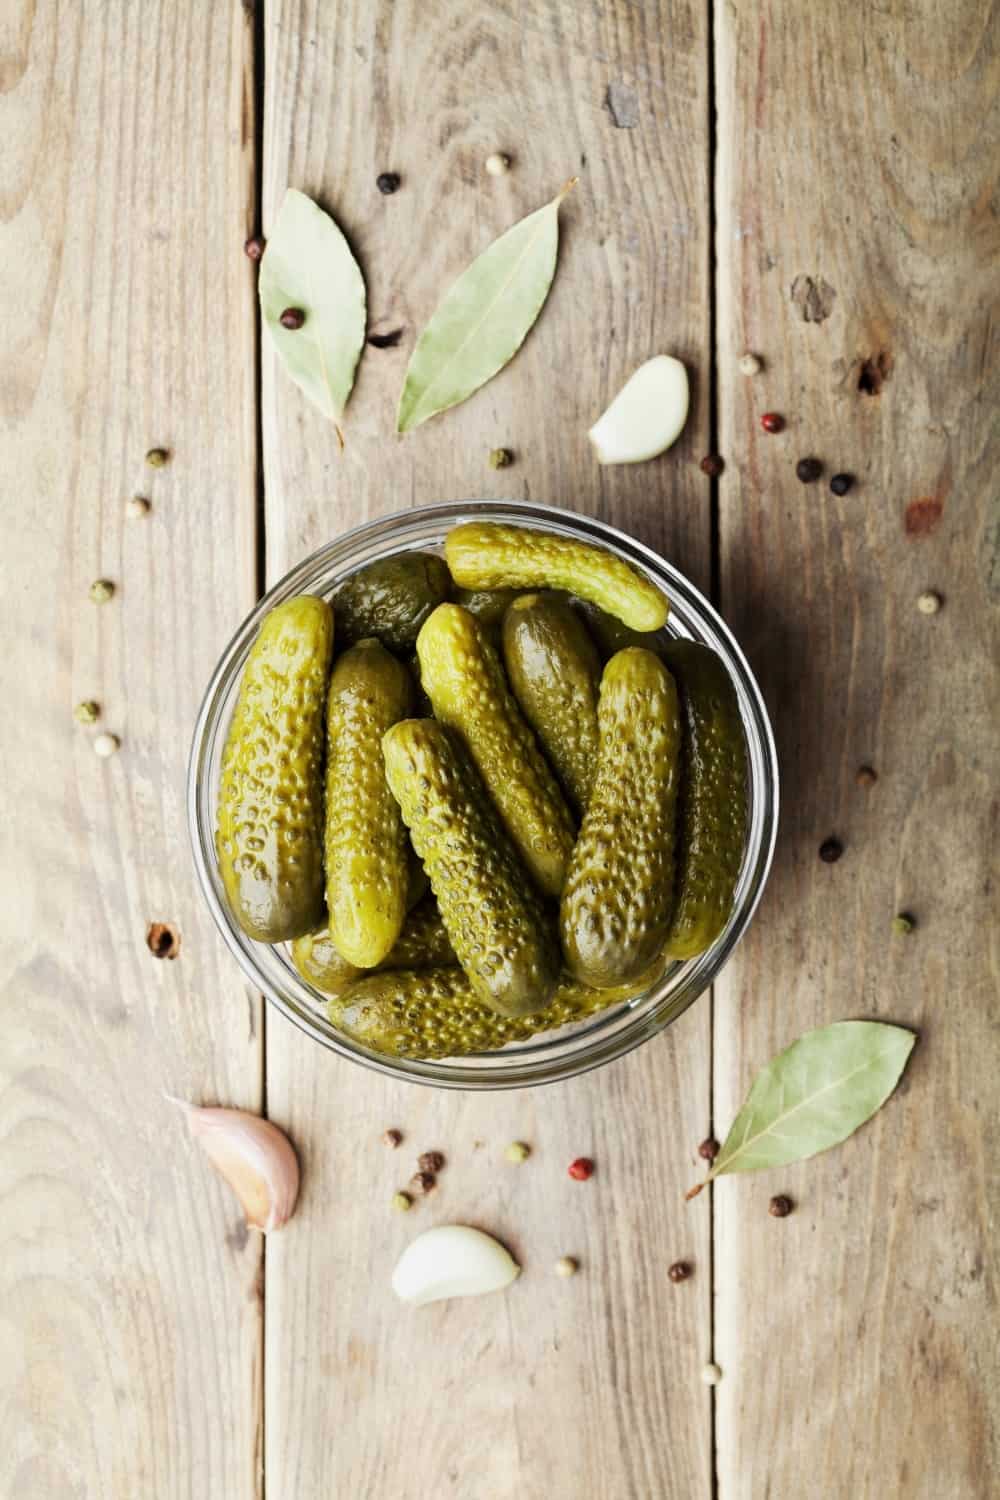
column 130, row 1313
column 557, row 1389
column 859, row 250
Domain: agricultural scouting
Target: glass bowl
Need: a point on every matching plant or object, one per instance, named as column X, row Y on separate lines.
column 581, row 1045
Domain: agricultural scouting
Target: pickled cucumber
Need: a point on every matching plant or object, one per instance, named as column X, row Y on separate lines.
column 555, row 672
column 390, row 598
column 422, row 943
column 485, row 555
column 619, row 894
column 610, row 635
column 435, row 1012
column 366, row 845
column 493, row 915
column 488, row 606
column 269, row 838
column 462, row 675
column 712, row 811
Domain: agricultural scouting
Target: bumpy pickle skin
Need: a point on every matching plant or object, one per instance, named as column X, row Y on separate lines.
column 555, row 673
column 611, row 636
column 493, row 915
column 391, row 598
column 713, row 806
column 619, row 894
column 269, row 836
column 489, row 555
column 367, row 875
column 435, row 1013
column 464, row 680
column 422, row 944
column 488, row 606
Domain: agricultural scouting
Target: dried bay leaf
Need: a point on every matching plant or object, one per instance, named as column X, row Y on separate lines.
column 814, row 1095
column 484, row 318
column 308, row 264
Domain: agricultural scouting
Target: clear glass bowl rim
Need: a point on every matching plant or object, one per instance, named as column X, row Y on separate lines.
column 552, row 1056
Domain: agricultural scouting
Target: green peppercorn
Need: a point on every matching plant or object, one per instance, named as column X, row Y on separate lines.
column 101, row 590
column 157, row 458
column 87, row 712
column 500, row 458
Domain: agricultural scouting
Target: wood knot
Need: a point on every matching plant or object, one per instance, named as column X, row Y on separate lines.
column 874, row 372
column 922, row 516
column 813, row 297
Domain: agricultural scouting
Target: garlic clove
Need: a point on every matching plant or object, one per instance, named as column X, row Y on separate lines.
column 255, row 1158
column 452, row 1261
column 646, row 416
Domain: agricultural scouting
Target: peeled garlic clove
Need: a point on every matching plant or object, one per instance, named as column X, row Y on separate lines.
column 452, row 1261
column 646, row 416
column 254, row 1156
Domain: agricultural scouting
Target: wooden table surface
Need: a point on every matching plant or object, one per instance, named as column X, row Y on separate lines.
column 817, row 182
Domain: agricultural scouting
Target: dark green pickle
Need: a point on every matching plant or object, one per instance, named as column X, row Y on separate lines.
column 269, row 838
column 488, row 606
column 712, row 813
column 555, row 673
column 611, row 634
column 423, row 943
column 391, row 598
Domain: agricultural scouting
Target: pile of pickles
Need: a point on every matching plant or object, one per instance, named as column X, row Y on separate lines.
column 482, row 795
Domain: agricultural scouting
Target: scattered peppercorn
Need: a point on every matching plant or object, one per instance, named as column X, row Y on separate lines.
column 101, row 590
column 392, row 1139
column 780, row 1206
column 163, row 940
column 581, row 1169
column 772, row 421
column 157, row 458
column 750, row 364
column 711, row 1374
column 866, row 776
column 292, row 318
column 808, row 470
column 137, row 507
column 401, row 1202
column 106, row 745
column 87, row 712
column 841, row 483
column 712, row 465
column 423, row 1182
column 830, row 851
column 679, row 1271
column 254, row 247
column 430, row 1161
column 387, row 182
column 929, row 603
column 497, row 164
column 517, row 1151
column 500, row 458
column 566, row 1265
column 902, row 923
column 709, row 1149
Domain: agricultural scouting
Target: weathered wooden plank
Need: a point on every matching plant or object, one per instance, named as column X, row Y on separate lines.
column 557, row 1389
column 129, row 1309
column 858, row 253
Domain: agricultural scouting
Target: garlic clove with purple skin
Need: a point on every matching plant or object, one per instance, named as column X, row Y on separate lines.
column 255, row 1158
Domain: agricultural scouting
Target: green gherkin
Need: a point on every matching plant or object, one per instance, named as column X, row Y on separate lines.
column 619, row 893
column 391, row 598
column 493, row 915
column 423, row 943
column 555, row 672
column 269, row 838
column 366, row 846
column 712, row 814
column 435, row 1012
column 464, row 680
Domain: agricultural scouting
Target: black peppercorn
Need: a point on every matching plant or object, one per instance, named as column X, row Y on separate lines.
column 841, row 483
column 430, row 1161
column 779, row 1207
column 712, row 465
column 679, row 1271
column 709, row 1149
column 292, row 317
column 830, row 851
column 423, row 1182
column 387, row 182
column 254, row 247
column 808, row 470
